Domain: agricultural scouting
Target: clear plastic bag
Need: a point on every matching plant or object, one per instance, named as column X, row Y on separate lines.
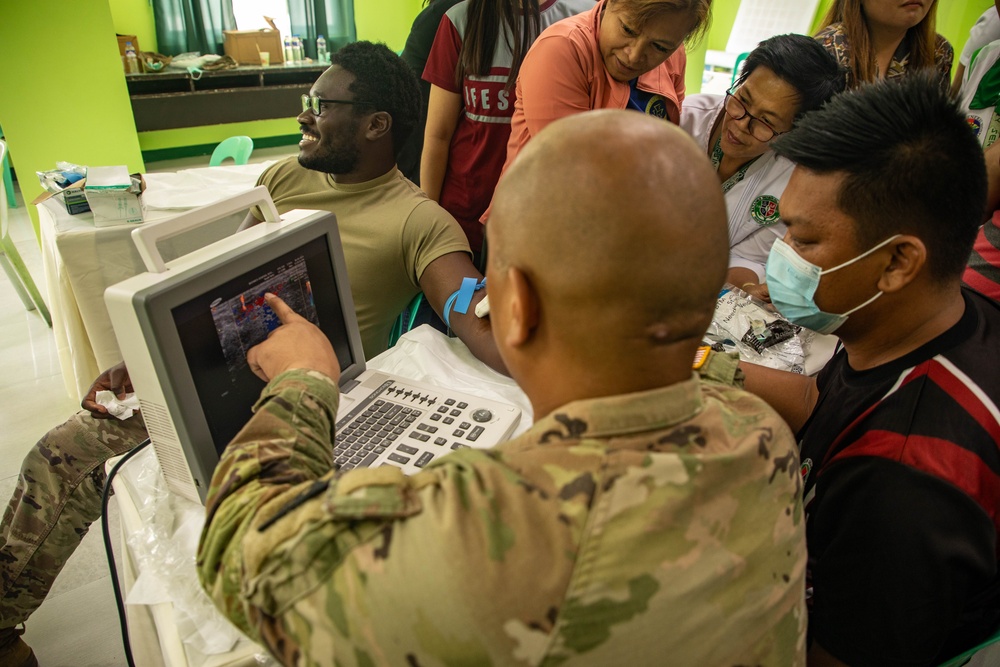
column 755, row 330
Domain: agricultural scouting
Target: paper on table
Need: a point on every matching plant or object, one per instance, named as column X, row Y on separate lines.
column 190, row 188
column 120, row 408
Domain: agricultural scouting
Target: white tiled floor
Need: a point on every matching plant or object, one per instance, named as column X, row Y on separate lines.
column 77, row 626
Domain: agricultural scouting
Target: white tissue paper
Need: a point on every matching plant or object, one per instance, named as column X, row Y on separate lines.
column 116, row 407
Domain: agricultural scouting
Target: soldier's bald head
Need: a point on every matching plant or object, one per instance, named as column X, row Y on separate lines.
column 619, row 223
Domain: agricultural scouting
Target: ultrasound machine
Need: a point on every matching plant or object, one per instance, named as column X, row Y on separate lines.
column 184, row 328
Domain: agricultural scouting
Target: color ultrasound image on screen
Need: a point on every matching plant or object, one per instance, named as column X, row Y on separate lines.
column 245, row 320
column 217, row 328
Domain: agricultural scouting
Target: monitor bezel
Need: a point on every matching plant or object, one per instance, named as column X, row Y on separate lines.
column 158, row 301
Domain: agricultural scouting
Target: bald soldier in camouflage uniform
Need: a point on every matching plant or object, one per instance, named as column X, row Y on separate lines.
column 648, row 517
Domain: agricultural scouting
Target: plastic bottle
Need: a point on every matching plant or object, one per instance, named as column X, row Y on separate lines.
column 297, row 49
column 131, row 59
column 289, row 54
column 322, row 55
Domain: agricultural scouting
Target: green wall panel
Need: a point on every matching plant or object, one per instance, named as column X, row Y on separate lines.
column 56, row 107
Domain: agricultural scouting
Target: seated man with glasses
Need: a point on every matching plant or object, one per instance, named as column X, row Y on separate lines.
column 397, row 242
column 783, row 78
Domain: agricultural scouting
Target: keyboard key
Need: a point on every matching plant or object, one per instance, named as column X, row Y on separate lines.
column 450, row 401
column 398, row 458
column 416, row 413
column 465, row 425
column 482, row 415
column 379, row 449
column 456, row 413
column 458, row 445
column 458, row 433
column 476, row 432
column 391, row 436
column 440, row 441
column 430, row 429
column 422, row 427
column 463, row 405
column 435, row 417
column 406, row 449
column 424, row 459
column 369, row 460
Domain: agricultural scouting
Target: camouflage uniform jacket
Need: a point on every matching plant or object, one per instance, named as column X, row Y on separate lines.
column 656, row 528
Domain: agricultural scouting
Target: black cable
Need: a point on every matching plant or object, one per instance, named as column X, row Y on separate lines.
column 119, row 602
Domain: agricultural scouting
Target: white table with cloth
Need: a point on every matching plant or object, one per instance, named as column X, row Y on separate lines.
column 80, row 261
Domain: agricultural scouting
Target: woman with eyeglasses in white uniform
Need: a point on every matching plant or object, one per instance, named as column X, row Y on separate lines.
column 783, row 78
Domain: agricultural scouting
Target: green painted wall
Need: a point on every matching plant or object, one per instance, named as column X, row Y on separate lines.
column 386, row 20
column 67, row 102
column 376, row 20
column 135, row 17
column 954, row 19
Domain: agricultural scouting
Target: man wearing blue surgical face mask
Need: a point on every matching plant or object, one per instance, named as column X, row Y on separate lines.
column 793, row 281
column 899, row 434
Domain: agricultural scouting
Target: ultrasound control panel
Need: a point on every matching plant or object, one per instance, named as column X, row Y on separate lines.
column 408, row 425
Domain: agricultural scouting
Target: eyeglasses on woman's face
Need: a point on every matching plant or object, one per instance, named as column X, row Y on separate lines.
column 759, row 129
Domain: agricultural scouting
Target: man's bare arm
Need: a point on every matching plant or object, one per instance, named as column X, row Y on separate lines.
column 439, row 280
column 793, row 396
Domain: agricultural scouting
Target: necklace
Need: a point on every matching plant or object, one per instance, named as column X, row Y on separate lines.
column 717, row 156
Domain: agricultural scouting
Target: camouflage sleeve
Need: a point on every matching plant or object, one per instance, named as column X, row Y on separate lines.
column 284, row 447
column 722, row 367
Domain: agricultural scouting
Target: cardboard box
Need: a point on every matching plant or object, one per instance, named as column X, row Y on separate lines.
column 114, row 196
column 122, row 39
column 73, row 198
column 244, row 46
column 75, row 201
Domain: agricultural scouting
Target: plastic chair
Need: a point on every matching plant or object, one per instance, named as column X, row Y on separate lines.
column 238, row 148
column 963, row 658
column 13, row 265
column 406, row 319
column 8, row 182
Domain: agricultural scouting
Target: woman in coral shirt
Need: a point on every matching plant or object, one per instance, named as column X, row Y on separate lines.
column 623, row 54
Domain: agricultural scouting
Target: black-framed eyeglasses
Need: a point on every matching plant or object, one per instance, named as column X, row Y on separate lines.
column 315, row 104
column 760, row 130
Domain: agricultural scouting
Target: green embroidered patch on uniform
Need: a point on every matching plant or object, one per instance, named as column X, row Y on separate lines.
column 764, row 210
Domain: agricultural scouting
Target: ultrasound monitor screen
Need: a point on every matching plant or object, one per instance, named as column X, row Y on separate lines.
column 218, row 327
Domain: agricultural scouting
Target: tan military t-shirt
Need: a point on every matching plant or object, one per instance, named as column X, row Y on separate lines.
column 390, row 231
